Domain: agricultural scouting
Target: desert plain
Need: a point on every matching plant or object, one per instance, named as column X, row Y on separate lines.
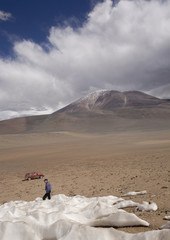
column 90, row 165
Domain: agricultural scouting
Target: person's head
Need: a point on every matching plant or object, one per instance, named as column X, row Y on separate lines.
column 45, row 180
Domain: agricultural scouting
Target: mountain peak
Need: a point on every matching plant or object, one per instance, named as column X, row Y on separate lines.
column 96, row 99
column 109, row 100
column 101, row 111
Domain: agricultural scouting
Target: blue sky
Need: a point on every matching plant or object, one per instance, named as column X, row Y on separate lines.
column 33, row 19
column 54, row 52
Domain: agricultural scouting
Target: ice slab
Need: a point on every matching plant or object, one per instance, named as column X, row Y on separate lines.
column 145, row 206
column 166, row 226
column 68, row 218
column 134, row 193
column 167, row 217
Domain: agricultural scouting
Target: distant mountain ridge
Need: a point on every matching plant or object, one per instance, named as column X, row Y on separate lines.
column 101, row 111
column 109, row 100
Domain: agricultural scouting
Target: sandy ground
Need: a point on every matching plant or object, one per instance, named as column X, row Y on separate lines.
column 90, row 165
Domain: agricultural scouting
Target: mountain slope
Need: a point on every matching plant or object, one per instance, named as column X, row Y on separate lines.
column 101, row 111
column 110, row 100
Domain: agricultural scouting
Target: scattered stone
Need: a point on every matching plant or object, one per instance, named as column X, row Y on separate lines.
column 165, row 211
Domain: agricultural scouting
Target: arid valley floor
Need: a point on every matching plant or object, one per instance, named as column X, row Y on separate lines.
column 90, row 165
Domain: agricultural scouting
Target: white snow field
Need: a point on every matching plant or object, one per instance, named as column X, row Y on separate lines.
column 72, row 218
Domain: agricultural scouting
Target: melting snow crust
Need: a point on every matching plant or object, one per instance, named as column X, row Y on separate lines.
column 68, row 218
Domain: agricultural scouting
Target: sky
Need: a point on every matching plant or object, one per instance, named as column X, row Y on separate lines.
column 54, row 52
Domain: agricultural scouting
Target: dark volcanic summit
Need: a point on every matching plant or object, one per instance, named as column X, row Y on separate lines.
column 101, row 111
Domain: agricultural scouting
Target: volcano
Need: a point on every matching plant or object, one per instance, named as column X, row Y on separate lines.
column 101, row 111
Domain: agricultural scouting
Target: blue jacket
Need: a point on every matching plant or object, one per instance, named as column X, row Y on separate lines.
column 48, row 187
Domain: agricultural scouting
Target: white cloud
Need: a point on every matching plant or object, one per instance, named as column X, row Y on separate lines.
column 7, row 114
column 5, row 16
column 122, row 47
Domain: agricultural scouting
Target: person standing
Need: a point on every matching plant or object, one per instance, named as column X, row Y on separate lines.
column 47, row 189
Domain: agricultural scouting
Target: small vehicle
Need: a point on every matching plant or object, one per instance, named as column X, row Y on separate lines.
column 33, row 175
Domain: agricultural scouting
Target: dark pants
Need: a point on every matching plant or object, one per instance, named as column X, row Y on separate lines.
column 47, row 195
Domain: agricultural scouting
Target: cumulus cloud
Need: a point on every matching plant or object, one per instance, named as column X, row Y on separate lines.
column 123, row 46
column 5, row 16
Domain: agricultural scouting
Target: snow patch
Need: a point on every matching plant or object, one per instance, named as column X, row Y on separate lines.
column 69, row 218
column 145, row 206
column 166, row 226
column 134, row 193
column 90, row 100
